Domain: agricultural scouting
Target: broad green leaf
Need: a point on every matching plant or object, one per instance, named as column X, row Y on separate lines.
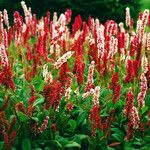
column 144, row 109
column 118, row 131
column 35, row 119
column 137, row 143
column 38, row 101
column 72, row 144
column 118, row 137
column 72, row 124
column 82, row 117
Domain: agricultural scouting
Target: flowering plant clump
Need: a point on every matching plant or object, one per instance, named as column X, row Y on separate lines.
column 82, row 88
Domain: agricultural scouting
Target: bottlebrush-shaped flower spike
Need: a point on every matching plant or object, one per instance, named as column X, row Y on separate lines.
column 111, row 28
column 77, row 24
column 116, row 87
column 48, row 78
column 3, row 56
column 144, row 64
column 79, row 64
column 70, row 106
column 128, row 17
column 113, row 47
column 43, row 126
column 121, row 25
column 1, row 24
column 6, row 20
column 97, row 24
column 63, row 59
column 91, row 23
column 5, row 38
column 100, row 41
column 96, row 96
column 63, row 73
column 148, row 42
column 89, row 93
column 129, row 103
column 126, row 41
column 94, row 117
column 89, row 83
column 134, row 43
column 27, row 13
column 135, row 68
column 55, row 18
column 53, row 94
column 131, row 126
column 6, row 75
column 129, row 71
column 121, row 38
column 3, row 121
column 67, row 93
column 62, row 21
column 134, row 117
column 143, row 90
column 18, row 22
column 145, row 17
column 68, row 14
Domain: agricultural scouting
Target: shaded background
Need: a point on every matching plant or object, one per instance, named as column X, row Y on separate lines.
column 102, row 9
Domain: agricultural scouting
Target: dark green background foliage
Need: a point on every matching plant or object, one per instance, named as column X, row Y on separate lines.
column 103, row 9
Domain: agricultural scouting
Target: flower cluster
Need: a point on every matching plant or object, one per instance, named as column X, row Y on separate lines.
column 6, row 75
column 131, row 113
column 143, row 90
column 43, row 126
column 63, row 59
column 116, row 87
column 89, row 83
column 94, row 117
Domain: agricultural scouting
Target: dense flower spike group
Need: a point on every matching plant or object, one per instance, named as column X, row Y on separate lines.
column 49, row 70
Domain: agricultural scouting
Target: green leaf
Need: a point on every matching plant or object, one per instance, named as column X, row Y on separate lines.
column 81, row 118
column 72, row 124
column 56, row 143
column 26, row 144
column 1, row 145
column 118, row 137
column 38, row 101
column 22, row 117
column 137, row 143
column 72, row 144
column 110, row 148
column 147, row 100
column 117, row 130
column 35, row 119
column 144, row 109
column 145, row 147
column 79, row 137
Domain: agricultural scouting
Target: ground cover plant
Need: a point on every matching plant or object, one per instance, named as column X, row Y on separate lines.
column 84, row 87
